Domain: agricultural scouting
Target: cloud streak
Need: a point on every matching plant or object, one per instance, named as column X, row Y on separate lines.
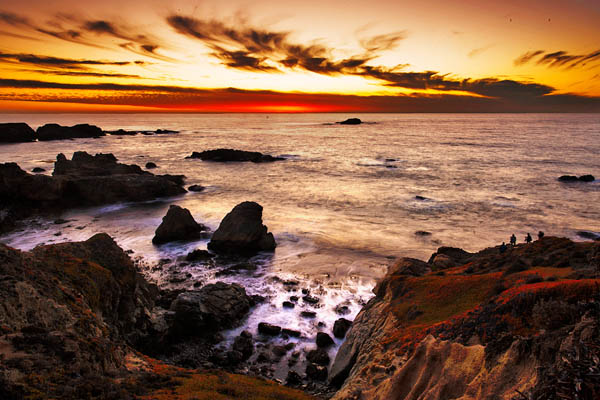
column 558, row 59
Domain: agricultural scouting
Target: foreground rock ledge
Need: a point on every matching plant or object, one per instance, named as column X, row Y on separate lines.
column 242, row 232
column 479, row 326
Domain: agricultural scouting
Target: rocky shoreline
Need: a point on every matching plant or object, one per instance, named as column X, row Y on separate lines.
column 493, row 324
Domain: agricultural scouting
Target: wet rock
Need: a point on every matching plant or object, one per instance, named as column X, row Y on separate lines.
column 237, row 268
column 279, row 351
column 308, row 314
column 324, row 340
column 198, row 255
column 340, row 327
column 341, row 309
column 227, row 155
column 587, row 178
column 572, row 178
column 316, row 372
column 257, row 299
column 196, row 188
column 234, row 357
column 58, row 132
column 288, row 304
column 305, row 291
column 242, row 232
column 16, row 133
column 290, row 332
column 453, row 257
column 122, row 132
column 294, row 298
column 421, row 198
column 293, row 378
column 310, row 299
column 318, row 356
column 151, row 165
column 244, row 344
column 178, row 224
column 215, row 307
column 268, row 329
column 351, row 121
column 588, row 235
column 179, row 180
column 37, row 170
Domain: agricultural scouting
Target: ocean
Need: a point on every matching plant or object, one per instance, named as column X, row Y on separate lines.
column 346, row 201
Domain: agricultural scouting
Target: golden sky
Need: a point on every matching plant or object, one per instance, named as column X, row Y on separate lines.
column 292, row 56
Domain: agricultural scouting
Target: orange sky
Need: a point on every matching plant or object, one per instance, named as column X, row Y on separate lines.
column 310, row 56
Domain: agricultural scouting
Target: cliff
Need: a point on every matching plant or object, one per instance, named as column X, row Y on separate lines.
column 491, row 325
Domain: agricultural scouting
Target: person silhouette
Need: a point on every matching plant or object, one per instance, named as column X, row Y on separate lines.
column 540, row 235
column 528, row 238
column 503, row 247
column 513, row 240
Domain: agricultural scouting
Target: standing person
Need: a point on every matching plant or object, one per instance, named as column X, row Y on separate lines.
column 528, row 238
column 503, row 247
column 513, row 240
column 540, row 235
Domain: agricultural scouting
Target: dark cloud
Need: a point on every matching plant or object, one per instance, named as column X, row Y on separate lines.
column 84, row 74
column 231, row 99
column 45, row 61
column 14, row 19
column 383, row 42
column 558, row 59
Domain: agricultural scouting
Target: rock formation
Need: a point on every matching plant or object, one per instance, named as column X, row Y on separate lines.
column 16, row 133
column 351, row 121
column 480, row 326
column 242, row 232
column 59, row 132
column 228, row 155
column 178, row 224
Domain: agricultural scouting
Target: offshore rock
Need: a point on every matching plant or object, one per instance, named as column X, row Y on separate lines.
column 58, row 132
column 351, row 121
column 242, row 232
column 178, row 224
column 16, row 133
column 228, row 155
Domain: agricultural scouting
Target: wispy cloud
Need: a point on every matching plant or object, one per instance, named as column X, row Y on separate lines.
column 558, row 59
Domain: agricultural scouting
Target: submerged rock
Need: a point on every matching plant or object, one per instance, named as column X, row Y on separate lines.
column 196, row 188
column 178, row 224
column 242, row 232
column 198, row 255
column 351, row 121
column 316, row 372
column 58, row 132
column 16, row 133
column 38, row 170
column 228, row 155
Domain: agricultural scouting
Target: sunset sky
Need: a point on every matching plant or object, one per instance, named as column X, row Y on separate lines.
column 292, row 56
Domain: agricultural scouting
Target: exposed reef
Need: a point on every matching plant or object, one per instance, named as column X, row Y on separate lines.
column 229, row 155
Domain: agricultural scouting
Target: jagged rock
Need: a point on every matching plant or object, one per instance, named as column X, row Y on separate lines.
column 351, row 121
column 178, row 224
column 572, row 178
column 324, row 340
column 316, row 372
column 342, row 309
column 268, row 329
column 16, row 133
column 215, row 307
column 227, row 155
column 242, row 231
column 409, row 266
column 310, row 299
column 58, row 132
column 340, row 327
column 318, row 356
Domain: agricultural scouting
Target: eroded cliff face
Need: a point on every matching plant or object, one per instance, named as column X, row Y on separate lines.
column 489, row 325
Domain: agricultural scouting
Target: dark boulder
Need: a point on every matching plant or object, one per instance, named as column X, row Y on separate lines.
column 244, row 344
column 324, row 340
column 340, row 327
column 293, row 378
column 16, row 133
column 196, row 188
column 316, row 372
column 588, row 235
column 38, row 170
column 318, row 356
column 198, row 255
column 351, row 121
column 242, row 232
column 151, row 165
column 227, row 155
column 268, row 329
column 178, row 224
column 310, row 299
column 409, row 266
column 179, row 180
column 568, row 178
column 288, row 304
column 308, row 314
column 84, row 164
column 213, row 308
column 587, row 178
column 342, row 309
column 290, row 332
column 58, row 132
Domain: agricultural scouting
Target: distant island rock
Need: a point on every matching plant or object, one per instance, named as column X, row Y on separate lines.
column 59, row 132
column 351, row 121
column 16, row 133
column 229, row 155
column 573, row 178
